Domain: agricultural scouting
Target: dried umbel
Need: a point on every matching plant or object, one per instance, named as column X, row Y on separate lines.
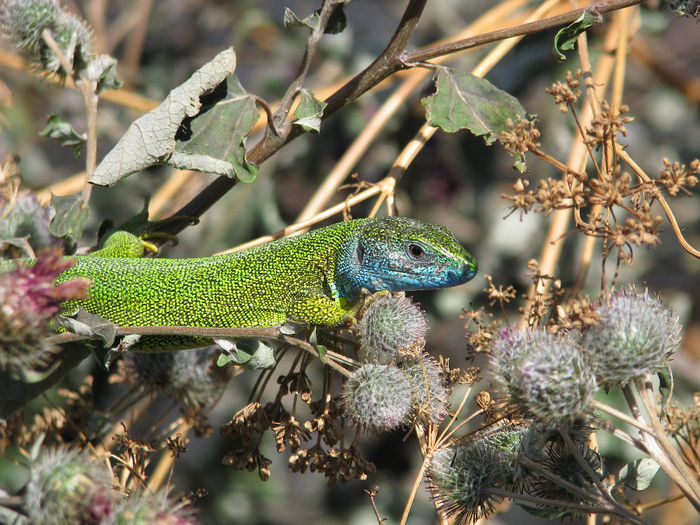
column 545, row 375
column 635, row 335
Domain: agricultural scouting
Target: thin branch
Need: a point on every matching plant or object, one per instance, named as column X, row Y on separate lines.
column 272, row 333
column 282, row 110
column 537, row 26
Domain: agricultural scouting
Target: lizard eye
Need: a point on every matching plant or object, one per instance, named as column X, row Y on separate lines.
column 415, row 250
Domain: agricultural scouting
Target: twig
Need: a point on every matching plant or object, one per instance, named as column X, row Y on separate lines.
column 372, row 493
column 87, row 89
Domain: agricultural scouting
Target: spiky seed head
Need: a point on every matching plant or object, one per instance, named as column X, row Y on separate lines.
column 28, row 301
column 635, row 334
column 544, row 374
column 144, row 507
column 188, row 377
column 390, row 324
column 23, row 22
column 431, row 396
column 67, row 486
column 378, row 397
column 559, row 460
column 461, row 479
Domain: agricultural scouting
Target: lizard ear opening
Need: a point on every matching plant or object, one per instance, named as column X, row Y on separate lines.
column 358, row 254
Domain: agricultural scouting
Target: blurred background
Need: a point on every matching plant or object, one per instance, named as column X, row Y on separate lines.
column 456, row 180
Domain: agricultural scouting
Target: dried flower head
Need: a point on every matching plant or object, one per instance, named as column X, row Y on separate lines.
column 566, row 94
column 675, row 177
column 545, row 375
column 608, row 124
column 635, row 334
column 520, row 138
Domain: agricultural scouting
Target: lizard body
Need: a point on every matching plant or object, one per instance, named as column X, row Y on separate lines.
column 316, row 278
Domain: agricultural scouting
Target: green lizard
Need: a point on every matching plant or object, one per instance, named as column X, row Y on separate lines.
column 318, row 278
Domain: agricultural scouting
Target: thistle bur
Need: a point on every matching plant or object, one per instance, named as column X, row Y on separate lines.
column 29, row 300
column 67, row 486
column 462, row 478
column 635, row 334
column 546, row 375
column 389, row 325
column 431, row 396
column 187, row 377
column 378, row 397
column 24, row 21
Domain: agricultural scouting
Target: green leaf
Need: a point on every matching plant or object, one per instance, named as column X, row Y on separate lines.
column 292, row 21
column 638, row 474
column 27, row 218
column 89, row 325
column 262, row 358
column 565, row 39
column 309, row 111
column 59, row 129
column 322, row 352
column 249, row 353
column 665, row 387
column 224, row 359
column 463, row 101
column 103, row 71
column 69, row 215
column 214, row 140
column 337, row 22
column 201, row 125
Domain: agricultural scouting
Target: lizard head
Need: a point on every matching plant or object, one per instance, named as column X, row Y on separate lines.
column 398, row 253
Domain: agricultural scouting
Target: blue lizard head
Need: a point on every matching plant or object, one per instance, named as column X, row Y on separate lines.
column 397, row 254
